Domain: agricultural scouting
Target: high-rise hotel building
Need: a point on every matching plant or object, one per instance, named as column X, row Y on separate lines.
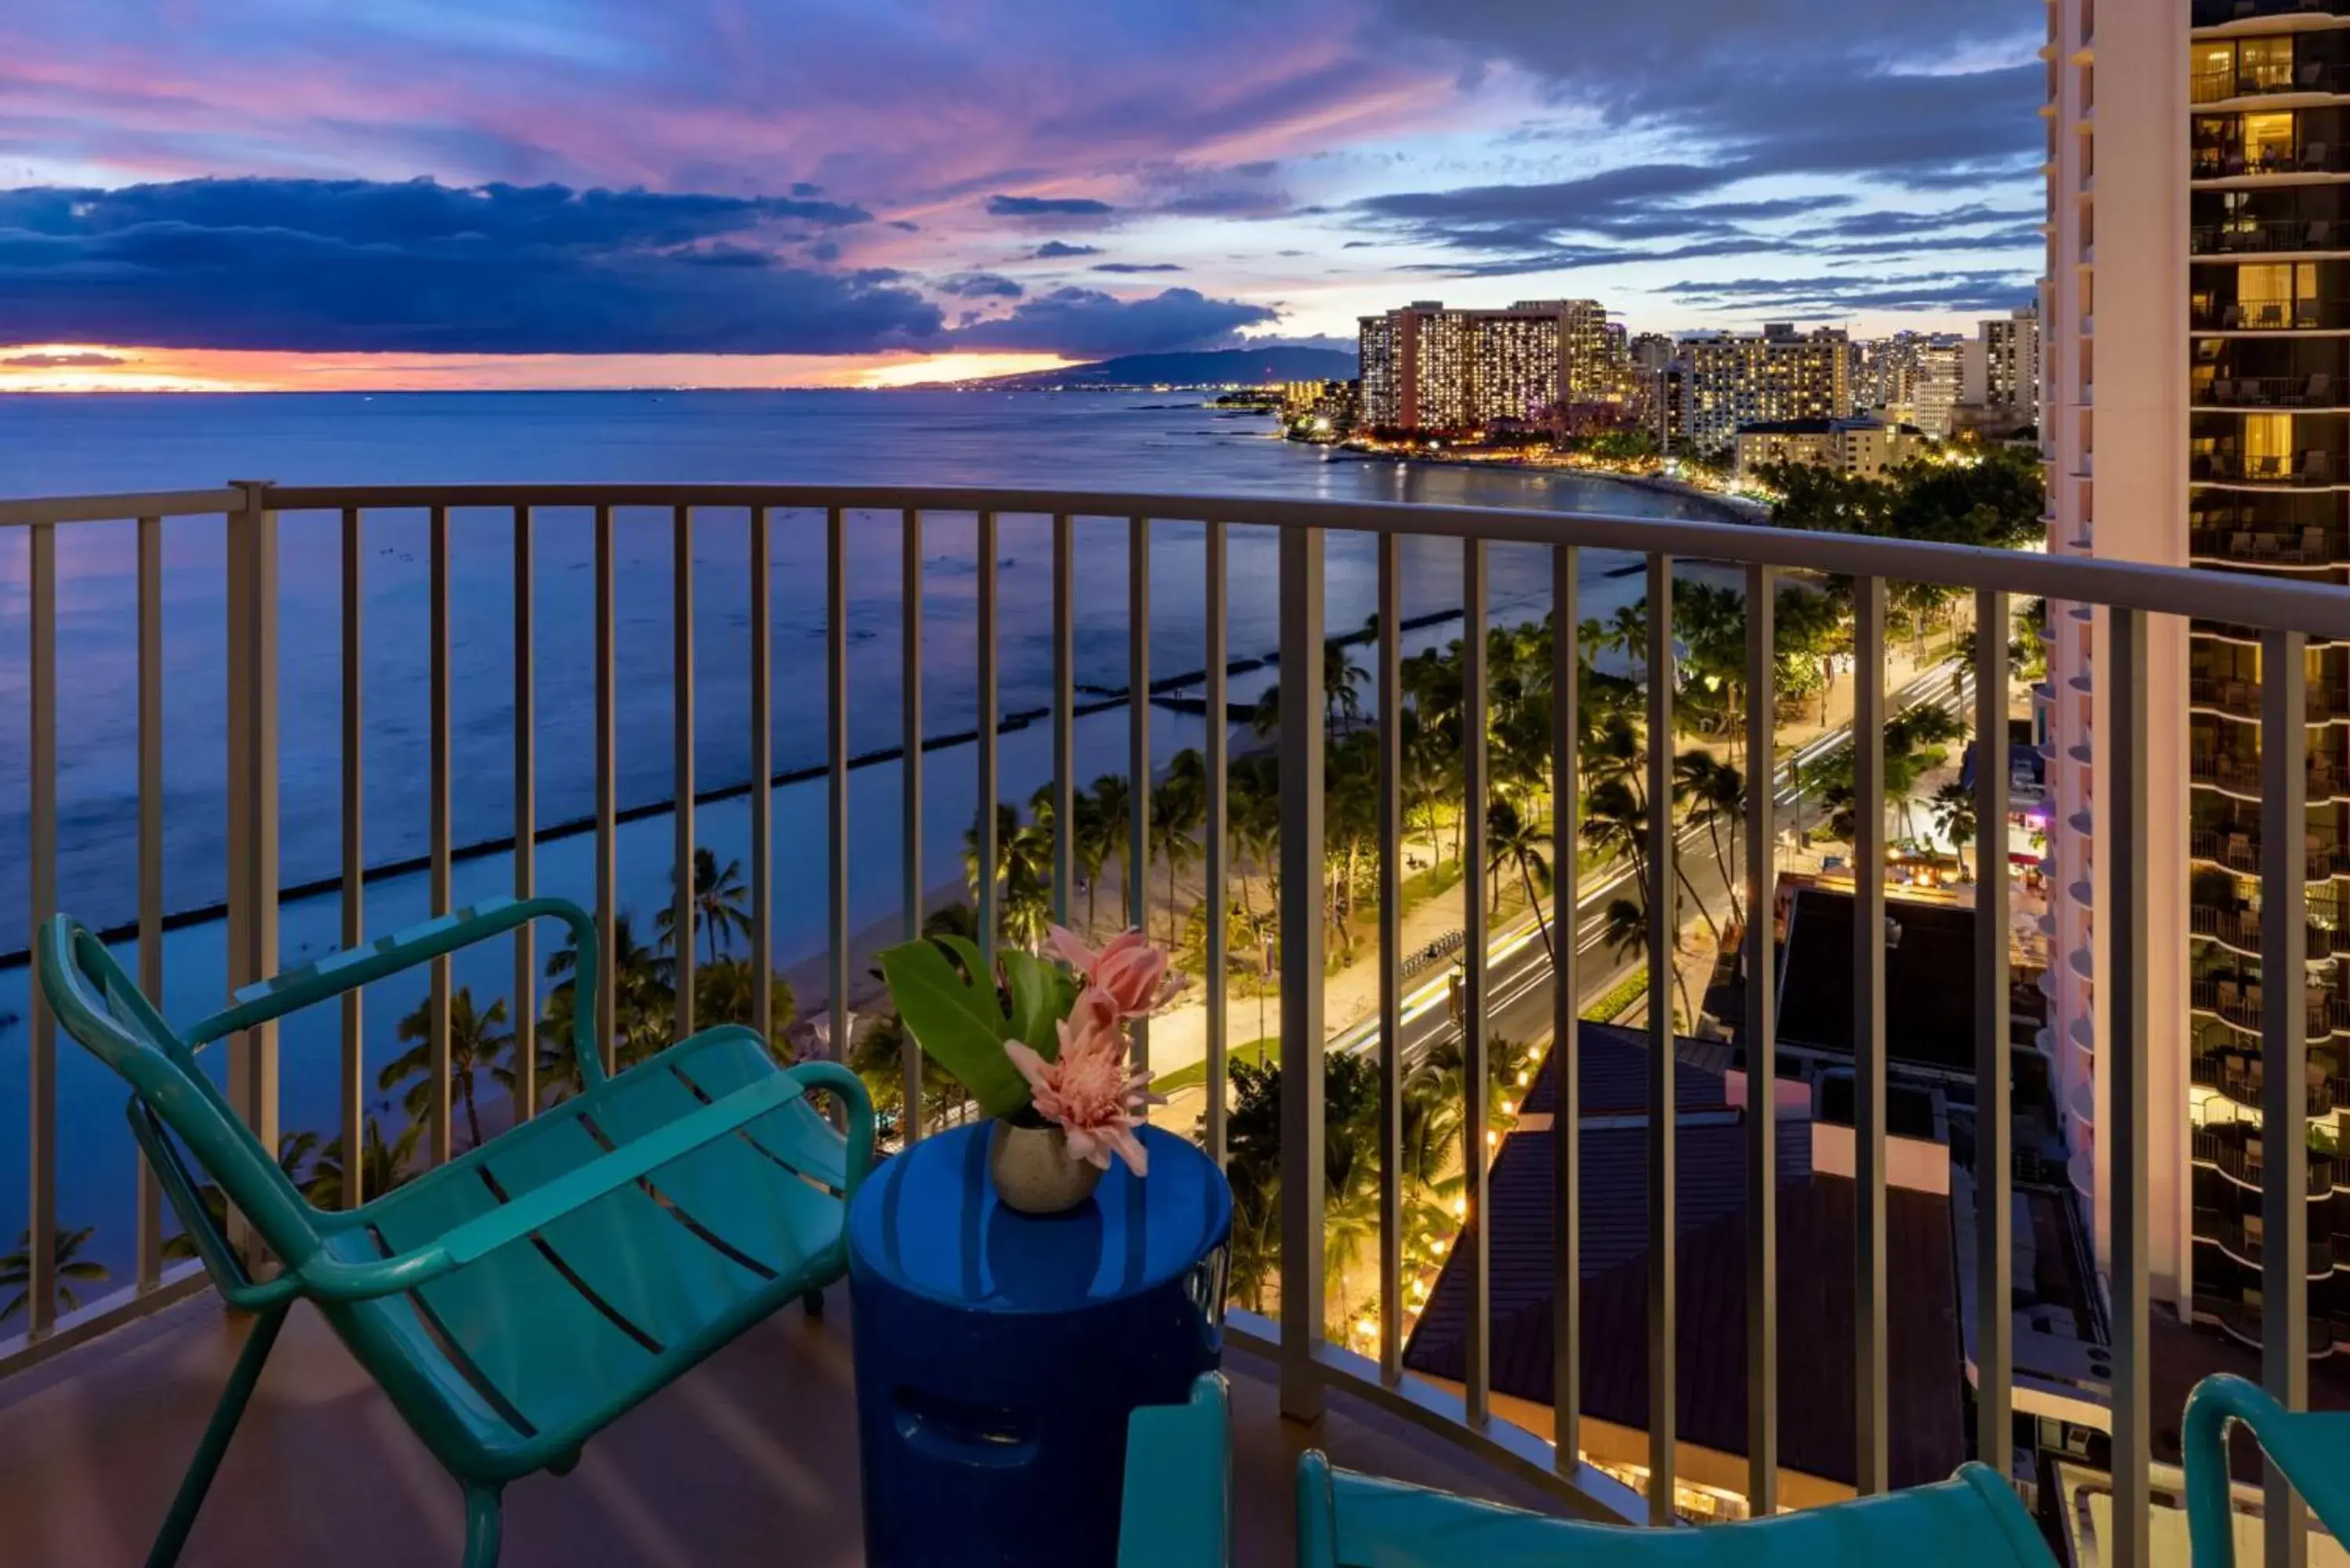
column 1735, row 379
column 1428, row 368
column 2200, row 207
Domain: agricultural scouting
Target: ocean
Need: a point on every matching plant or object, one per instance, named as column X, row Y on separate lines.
column 1144, row 444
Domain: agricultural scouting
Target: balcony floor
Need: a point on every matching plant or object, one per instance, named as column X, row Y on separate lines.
column 750, row 1459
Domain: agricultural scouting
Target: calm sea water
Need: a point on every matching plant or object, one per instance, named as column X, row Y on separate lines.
column 1140, row 443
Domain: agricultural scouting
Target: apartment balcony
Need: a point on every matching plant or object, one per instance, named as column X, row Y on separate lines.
column 2239, row 850
column 2313, row 77
column 2318, row 389
column 2268, row 237
column 2223, row 13
column 2251, row 546
column 2237, row 1001
column 2314, row 468
column 2236, row 698
column 2274, row 315
column 102, row 1391
column 2239, row 928
column 2240, row 1239
column 2237, row 1076
column 2240, row 775
column 2233, row 1149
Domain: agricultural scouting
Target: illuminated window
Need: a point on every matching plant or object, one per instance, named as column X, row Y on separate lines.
column 2268, row 436
column 2268, row 138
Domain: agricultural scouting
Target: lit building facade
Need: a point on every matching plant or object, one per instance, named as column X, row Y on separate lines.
column 1866, row 447
column 1940, row 377
column 1428, row 368
column 1744, row 379
column 1999, row 371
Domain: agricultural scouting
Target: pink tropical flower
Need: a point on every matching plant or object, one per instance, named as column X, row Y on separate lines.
column 1089, row 1092
column 1129, row 970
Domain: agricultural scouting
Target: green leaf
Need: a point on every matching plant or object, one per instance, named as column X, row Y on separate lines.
column 1042, row 995
column 955, row 1018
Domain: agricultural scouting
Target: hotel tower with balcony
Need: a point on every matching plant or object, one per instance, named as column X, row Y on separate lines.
column 2219, row 174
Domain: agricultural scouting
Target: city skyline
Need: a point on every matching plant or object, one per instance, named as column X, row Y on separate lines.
column 490, row 196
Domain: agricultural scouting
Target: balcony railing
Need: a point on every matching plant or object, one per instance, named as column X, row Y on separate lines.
column 2316, row 466
column 2245, row 1243
column 2263, row 79
column 2239, row 1076
column 2253, row 235
column 2321, row 389
column 2278, row 315
column 2230, row 161
column 2242, row 928
column 2241, row 698
column 2218, row 13
column 2224, row 1149
column 2251, row 545
column 2239, row 849
column 1290, row 541
column 2241, row 774
column 2237, row 1001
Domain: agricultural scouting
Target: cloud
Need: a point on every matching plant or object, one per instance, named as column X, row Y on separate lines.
column 1136, row 266
column 1842, row 293
column 1057, row 250
column 359, row 265
column 86, row 359
column 982, row 286
column 1090, row 324
column 1048, row 207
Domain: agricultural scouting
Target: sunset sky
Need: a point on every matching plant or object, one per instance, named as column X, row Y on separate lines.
column 314, row 194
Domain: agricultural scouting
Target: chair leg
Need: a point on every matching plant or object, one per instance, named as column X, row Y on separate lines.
column 173, row 1536
column 813, row 1303
column 484, row 1514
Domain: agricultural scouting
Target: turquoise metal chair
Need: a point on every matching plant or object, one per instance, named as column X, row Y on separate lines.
column 2313, row 1449
column 1177, row 1457
column 517, row 1300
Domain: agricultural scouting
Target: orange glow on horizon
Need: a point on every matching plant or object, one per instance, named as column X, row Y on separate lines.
column 73, row 367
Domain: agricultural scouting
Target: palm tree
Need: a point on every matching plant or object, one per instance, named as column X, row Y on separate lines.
column 382, row 1166
column 1954, row 818
column 68, row 1267
column 1511, row 840
column 1717, row 794
column 478, row 1044
column 721, row 911
column 1342, row 683
column 1179, row 805
column 1090, row 846
column 1624, row 932
column 643, row 1002
column 1114, row 800
column 1023, row 866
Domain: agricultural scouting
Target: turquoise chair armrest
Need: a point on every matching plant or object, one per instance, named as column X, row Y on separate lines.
column 1177, row 1506
column 336, row 1280
column 2312, row 1449
column 402, row 950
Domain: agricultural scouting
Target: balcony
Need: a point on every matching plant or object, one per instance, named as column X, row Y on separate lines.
column 2319, row 390
column 2237, row 1001
column 2221, row 13
column 2240, row 776
column 2316, row 468
column 2230, row 160
column 2241, row 928
column 2239, row 850
column 2263, row 237
column 2251, row 545
column 2240, row 1239
column 2238, row 698
column 756, row 1446
column 2276, row 315
column 2233, row 1149
column 2267, row 81
column 2237, row 1076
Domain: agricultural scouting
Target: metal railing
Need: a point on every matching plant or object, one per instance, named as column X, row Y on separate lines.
column 2253, row 545
column 2239, row 1076
column 2319, row 390
column 2280, row 315
column 2262, row 234
column 2218, row 13
column 2284, row 615
column 2225, row 1148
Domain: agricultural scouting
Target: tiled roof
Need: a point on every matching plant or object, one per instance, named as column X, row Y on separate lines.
column 1930, row 997
column 1614, row 1076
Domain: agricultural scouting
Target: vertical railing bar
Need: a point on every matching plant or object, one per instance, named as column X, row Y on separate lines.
column 911, row 774
column 252, row 840
column 149, row 1221
column 2284, row 1052
column 443, row 1133
column 1758, row 1041
column 683, row 856
column 1064, row 701
column 607, row 793
column 1869, row 1385
column 762, row 776
column 1301, row 752
column 1994, row 1159
column 353, row 1118
column 1476, row 1233
column 989, row 786
column 2125, row 990
column 41, row 1118
column 1664, row 933
column 1567, row 999
column 836, row 730
column 1389, row 678
column 909, row 741
column 1215, row 828
column 1137, row 720
column 525, row 820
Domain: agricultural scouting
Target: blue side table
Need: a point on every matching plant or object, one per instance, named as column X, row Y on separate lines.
column 998, row 1354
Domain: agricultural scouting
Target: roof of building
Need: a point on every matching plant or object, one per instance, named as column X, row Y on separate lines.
column 1930, row 997
column 1815, row 1252
column 1612, row 1076
column 1821, row 425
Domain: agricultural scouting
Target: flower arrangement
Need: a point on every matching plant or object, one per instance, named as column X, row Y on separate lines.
column 1040, row 1046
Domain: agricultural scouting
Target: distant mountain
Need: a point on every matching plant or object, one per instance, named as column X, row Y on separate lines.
column 1223, row 367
